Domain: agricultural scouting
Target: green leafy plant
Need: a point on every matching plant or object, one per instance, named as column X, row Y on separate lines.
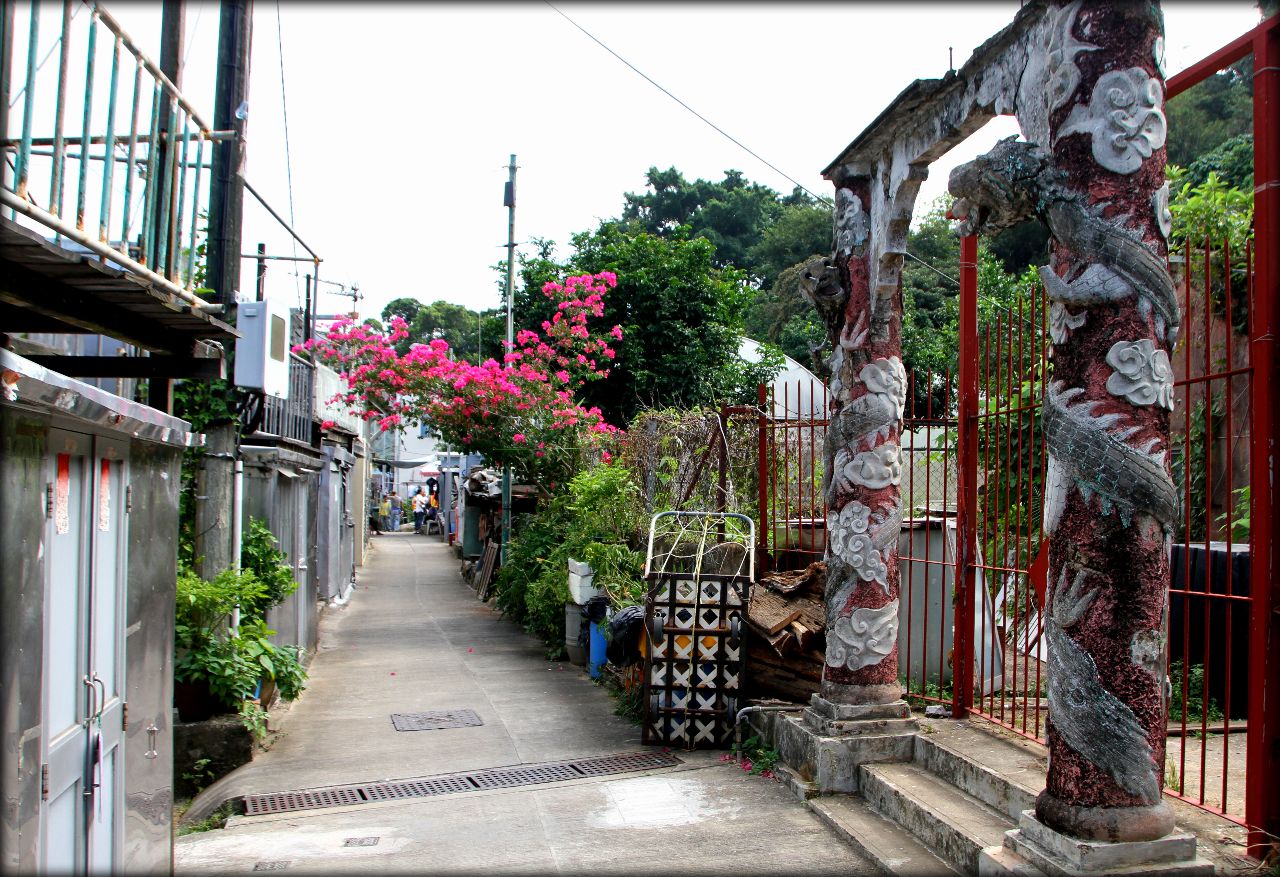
column 217, row 819
column 260, row 556
column 755, row 756
column 200, row 774
column 254, row 718
column 1194, row 702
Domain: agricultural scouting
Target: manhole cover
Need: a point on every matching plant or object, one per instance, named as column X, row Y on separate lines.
column 435, row 720
column 360, row 842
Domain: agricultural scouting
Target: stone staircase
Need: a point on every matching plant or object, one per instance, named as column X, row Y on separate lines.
column 935, row 804
column 959, row 794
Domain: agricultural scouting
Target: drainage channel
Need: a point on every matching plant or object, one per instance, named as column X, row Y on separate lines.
column 512, row 777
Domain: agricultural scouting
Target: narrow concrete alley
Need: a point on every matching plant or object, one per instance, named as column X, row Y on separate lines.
column 414, row 638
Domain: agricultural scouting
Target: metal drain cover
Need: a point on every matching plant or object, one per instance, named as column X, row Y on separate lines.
column 435, row 720
column 271, row 866
column 360, row 842
column 514, row 776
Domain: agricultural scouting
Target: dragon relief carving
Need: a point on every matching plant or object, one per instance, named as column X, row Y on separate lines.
column 1084, row 452
column 1015, row 181
column 1090, row 719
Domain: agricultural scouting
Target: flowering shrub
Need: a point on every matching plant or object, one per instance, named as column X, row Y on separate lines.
column 520, row 412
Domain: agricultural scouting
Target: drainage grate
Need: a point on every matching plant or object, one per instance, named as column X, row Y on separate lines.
column 271, row 866
column 310, row 799
column 424, row 787
column 508, row 778
column 435, row 720
column 608, row 764
column 360, row 842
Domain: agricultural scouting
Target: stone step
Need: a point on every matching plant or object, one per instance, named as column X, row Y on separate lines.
column 891, row 847
column 953, row 824
column 997, row 772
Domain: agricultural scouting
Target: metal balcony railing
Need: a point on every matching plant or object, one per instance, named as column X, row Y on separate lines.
column 135, row 162
column 291, row 418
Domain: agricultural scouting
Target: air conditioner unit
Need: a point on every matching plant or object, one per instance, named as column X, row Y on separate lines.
column 262, row 351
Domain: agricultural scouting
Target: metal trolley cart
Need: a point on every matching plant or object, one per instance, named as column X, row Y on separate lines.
column 699, row 567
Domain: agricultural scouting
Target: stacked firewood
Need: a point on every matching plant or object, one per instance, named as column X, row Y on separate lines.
column 786, row 637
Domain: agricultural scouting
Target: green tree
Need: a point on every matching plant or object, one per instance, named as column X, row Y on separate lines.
column 681, row 316
column 732, row 213
column 1210, row 113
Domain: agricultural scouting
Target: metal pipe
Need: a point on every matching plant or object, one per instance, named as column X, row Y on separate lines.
column 237, row 538
column 133, row 149
column 182, row 205
column 254, row 192
column 64, row 61
column 104, row 208
column 145, row 254
column 99, row 139
column 164, row 228
column 90, row 65
column 195, row 215
column 737, row 722
column 28, row 102
column 279, row 258
column 44, row 217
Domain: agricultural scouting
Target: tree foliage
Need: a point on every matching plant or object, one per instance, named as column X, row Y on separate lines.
column 682, row 313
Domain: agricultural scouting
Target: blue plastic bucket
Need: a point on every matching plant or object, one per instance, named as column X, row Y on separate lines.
column 597, row 656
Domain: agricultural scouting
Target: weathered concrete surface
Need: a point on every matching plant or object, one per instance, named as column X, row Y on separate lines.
column 895, row 850
column 415, row 638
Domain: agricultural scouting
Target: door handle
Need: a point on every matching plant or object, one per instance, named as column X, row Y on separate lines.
column 102, row 703
column 93, row 699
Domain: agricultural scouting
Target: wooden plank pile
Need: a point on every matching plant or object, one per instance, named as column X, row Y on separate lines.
column 786, row 633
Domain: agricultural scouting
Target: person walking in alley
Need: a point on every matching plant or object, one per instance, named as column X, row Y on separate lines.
column 396, row 511
column 420, row 502
column 384, row 511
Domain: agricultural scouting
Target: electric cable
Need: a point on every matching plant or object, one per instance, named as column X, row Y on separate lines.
column 288, row 159
column 714, row 126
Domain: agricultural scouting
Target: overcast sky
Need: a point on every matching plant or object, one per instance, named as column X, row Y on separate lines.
column 402, row 117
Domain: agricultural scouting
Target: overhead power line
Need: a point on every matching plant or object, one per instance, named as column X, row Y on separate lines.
column 713, row 125
column 743, row 146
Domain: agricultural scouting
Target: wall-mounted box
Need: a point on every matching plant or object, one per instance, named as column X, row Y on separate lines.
column 262, row 352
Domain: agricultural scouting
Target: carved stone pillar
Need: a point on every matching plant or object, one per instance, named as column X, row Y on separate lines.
column 863, row 465
column 1110, row 503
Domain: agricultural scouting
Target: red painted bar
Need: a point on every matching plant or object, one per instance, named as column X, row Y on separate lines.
column 967, row 531
column 1262, row 798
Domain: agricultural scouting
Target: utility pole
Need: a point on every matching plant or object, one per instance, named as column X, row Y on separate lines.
column 215, row 485
column 172, row 26
column 230, row 112
column 509, row 201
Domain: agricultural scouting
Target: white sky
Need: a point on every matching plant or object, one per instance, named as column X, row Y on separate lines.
column 402, row 117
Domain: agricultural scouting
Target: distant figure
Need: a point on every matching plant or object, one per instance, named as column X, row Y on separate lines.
column 384, row 511
column 396, row 511
column 420, row 502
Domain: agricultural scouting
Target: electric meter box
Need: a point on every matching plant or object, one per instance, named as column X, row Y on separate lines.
column 262, row 351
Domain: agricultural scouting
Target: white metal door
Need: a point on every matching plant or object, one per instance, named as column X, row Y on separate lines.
column 84, row 670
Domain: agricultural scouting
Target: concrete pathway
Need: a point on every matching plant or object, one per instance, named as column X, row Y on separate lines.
column 414, row 638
